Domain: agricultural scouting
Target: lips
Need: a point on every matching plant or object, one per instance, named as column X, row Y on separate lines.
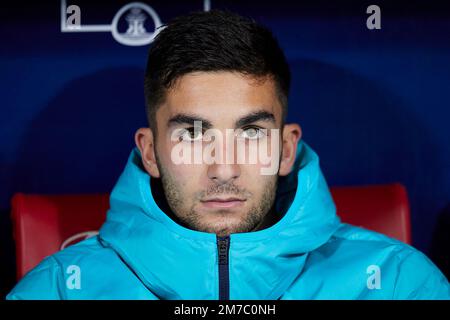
column 231, row 202
column 217, row 199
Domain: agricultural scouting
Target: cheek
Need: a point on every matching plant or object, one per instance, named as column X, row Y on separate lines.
column 188, row 177
column 253, row 180
column 264, row 154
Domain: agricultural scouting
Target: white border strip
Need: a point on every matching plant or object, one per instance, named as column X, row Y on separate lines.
column 99, row 27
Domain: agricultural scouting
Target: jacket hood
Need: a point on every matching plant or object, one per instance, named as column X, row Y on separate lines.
column 175, row 262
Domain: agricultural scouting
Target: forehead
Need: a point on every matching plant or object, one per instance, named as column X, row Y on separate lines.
column 221, row 97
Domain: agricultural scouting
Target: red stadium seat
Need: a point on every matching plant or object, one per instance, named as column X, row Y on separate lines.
column 44, row 224
column 382, row 208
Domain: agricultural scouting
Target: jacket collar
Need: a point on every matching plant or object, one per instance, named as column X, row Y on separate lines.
column 175, row 262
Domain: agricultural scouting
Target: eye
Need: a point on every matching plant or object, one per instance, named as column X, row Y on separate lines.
column 253, row 133
column 191, row 134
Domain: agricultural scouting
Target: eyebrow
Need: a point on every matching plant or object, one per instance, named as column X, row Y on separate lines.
column 254, row 117
column 183, row 118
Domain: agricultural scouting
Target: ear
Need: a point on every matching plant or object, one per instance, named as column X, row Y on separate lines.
column 292, row 133
column 144, row 140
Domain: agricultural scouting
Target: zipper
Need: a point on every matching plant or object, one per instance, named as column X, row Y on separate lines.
column 223, row 246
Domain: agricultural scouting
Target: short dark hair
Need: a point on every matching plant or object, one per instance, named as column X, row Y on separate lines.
column 216, row 40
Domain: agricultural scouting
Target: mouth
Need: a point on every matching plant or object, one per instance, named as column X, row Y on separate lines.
column 231, row 202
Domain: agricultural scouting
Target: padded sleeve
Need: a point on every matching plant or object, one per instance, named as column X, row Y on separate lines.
column 42, row 283
column 418, row 278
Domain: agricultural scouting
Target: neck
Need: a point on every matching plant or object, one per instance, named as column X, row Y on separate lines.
column 269, row 220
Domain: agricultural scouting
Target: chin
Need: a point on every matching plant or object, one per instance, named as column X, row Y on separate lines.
column 220, row 224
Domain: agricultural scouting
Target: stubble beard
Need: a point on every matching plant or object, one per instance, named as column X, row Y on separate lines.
column 252, row 220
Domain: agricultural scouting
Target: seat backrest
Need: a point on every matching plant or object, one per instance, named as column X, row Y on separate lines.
column 44, row 224
column 381, row 208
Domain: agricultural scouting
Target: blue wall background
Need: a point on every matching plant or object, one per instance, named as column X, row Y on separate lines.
column 374, row 104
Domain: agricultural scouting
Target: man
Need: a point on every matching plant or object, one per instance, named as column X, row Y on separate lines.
column 217, row 88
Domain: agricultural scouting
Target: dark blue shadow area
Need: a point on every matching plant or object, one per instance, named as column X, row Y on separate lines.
column 82, row 139
column 365, row 134
column 440, row 249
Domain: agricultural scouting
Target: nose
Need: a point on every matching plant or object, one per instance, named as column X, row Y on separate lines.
column 224, row 171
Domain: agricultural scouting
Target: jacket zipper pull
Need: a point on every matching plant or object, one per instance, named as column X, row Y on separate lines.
column 223, row 246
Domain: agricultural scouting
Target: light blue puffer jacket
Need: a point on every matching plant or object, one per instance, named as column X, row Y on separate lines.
column 140, row 253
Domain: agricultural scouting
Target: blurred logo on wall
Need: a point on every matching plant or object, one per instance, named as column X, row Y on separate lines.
column 135, row 14
column 135, row 24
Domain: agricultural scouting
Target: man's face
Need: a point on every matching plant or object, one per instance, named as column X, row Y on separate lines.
column 220, row 198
